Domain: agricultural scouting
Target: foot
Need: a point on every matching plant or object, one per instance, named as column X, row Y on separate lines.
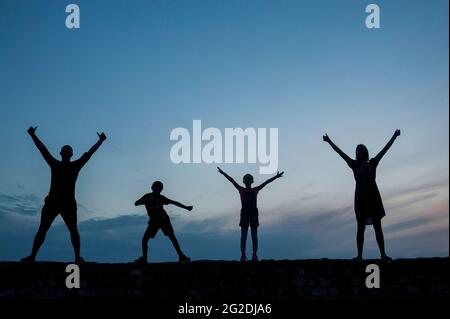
column 358, row 258
column 28, row 260
column 254, row 257
column 141, row 260
column 243, row 257
column 184, row 259
column 386, row 258
column 79, row 260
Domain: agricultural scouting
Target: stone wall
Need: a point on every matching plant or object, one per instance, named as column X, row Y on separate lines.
column 228, row 280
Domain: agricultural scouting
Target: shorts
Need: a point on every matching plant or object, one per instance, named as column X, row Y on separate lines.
column 154, row 225
column 55, row 206
column 249, row 218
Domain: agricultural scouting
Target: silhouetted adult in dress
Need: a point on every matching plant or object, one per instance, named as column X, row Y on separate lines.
column 369, row 207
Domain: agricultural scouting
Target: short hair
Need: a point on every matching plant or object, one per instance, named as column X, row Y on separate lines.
column 248, row 178
column 157, row 186
column 66, row 149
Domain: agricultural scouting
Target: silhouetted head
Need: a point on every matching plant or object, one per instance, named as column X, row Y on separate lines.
column 247, row 180
column 66, row 152
column 362, row 153
column 157, row 187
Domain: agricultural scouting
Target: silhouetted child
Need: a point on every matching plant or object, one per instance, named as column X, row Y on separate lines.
column 249, row 210
column 369, row 207
column 154, row 203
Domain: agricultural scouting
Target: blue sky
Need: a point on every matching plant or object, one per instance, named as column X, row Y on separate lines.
column 139, row 69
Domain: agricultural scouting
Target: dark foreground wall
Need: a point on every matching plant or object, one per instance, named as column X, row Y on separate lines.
column 225, row 280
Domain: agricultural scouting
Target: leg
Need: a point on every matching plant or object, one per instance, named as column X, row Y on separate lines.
column 181, row 256
column 360, row 239
column 380, row 238
column 48, row 215
column 244, row 232
column 175, row 244
column 69, row 215
column 149, row 233
column 75, row 239
column 254, row 231
column 166, row 227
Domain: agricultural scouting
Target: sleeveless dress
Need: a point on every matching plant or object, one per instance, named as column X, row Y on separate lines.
column 368, row 203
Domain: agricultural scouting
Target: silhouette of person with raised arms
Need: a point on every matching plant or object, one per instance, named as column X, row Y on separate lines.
column 249, row 210
column 61, row 197
column 158, row 219
column 369, row 207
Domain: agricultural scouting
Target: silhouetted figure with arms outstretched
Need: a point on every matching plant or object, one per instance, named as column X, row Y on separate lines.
column 249, row 210
column 369, row 207
column 158, row 219
column 61, row 197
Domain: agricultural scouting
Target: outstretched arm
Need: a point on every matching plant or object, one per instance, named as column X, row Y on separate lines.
column 337, row 149
column 388, row 146
column 94, row 148
column 232, row 181
column 86, row 156
column 270, row 180
column 189, row 208
column 141, row 201
column 41, row 147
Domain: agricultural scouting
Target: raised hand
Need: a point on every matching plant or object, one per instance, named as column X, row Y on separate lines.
column 101, row 136
column 388, row 146
column 326, row 138
column 279, row 174
column 219, row 170
column 32, row 130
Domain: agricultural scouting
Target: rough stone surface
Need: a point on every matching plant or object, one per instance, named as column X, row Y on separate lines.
column 425, row 278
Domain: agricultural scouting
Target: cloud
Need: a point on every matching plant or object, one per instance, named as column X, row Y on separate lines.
column 420, row 187
column 406, row 224
column 300, row 229
column 28, row 204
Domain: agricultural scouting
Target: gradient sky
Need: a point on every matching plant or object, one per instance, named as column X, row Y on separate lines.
column 138, row 69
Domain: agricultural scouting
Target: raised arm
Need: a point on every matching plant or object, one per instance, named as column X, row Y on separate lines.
column 270, row 180
column 94, row 148
column 189, row 208
column 232, row 181
column 388, row 146
column 86, row 156
column 40, row 146
column 337, row 149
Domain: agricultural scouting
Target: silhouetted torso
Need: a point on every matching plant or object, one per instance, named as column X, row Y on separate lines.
column 365, row 173
column 249, row 210
column 368, row 202
column 249, row 199
column 154, row 204
column 64, row 176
